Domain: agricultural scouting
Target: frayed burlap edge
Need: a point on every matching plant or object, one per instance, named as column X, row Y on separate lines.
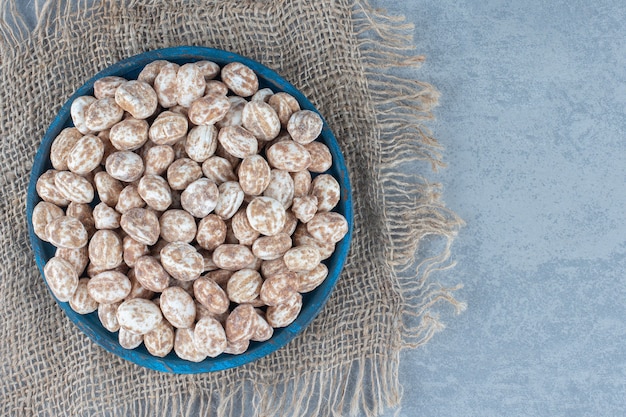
column 411, row 205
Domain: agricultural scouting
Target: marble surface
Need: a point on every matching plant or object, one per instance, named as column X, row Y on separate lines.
column 532, row 117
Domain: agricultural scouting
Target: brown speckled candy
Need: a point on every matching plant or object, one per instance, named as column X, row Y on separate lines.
column 129, row 134
column 263, row 95
column 229, row 200
column 284, row 314
column 183, row 172
column 321, row 158
column 142, row 225
column 168, row 128
column 278, row 288
column 245, row 234
column 84, row 214
column 73, row 187
column 280, row 187
column 266, row 215
column 261, row 119
column 178, row 307
column 133, row 250
column 209, row 109
column 302, row 237
column 201, row 143
column 62, row 145
column 137, row 98
column 67, row 232
column 106, row 217
column 302, row 258
column 271, row 247
column 238, row 141
column 200, row 197
column 125, row 166
column 81, row 302
column 128, row 339
column 79, row 258
column 284, row 105
column 327, row 190
column 157, row 159
column 235, row 113
column 211, row 232
column 190, row 84
column 308, row 281
column 108, row 188
column 254, row 175
column 211, row 295
column 232, row 257
column 208, row 69
column 155, row 191
column 165, row 85
column 48, row 191
column 328, row 227
column 128, row 199
column 44, row 213
column 289, row 156
column 77, row 111
column 210, row 337
column 301, row 183
column 109, row 287
column 215, row 87
column 237, row 348
column 61, row 278
column 182, row 261
column 218, row 169
column 160, row 340
column 244, row 286
column 262, row 331
column 151, row 70
column 102, row 114
column 185, row 347
column 305, row 126
column 107, row 313
column 240, row 79
column 241, row 323
column 304, row 208
column 274, row 267
column 85, row 155
column 106, row 86
column 177, row 226
column 105, row 249
column 139, row 316
column 151, row 274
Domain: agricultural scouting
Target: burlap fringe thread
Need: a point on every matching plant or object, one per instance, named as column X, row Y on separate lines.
column 412, row 208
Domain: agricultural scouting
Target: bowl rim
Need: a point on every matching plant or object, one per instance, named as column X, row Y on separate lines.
column 281, row 336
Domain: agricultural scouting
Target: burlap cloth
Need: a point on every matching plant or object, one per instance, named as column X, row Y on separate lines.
column 341, row 54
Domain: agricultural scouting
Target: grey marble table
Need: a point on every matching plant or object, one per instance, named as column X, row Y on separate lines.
column 533, row 120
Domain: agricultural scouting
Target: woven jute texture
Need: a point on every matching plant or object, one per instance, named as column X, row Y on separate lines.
column 342, row 55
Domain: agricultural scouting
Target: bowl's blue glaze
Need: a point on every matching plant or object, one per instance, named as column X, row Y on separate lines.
column 312, row 302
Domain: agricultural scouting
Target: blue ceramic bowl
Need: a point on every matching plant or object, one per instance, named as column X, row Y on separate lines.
column 312, row 302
